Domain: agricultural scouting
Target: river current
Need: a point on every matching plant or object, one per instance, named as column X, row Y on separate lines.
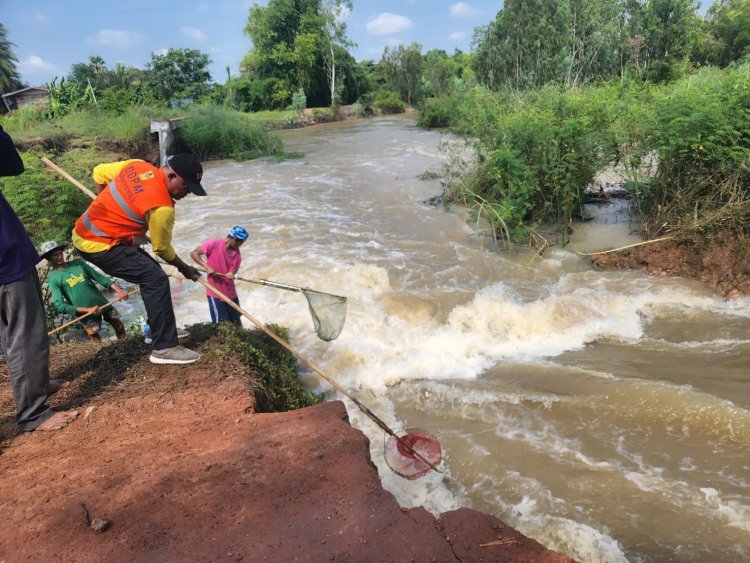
column 605, row 414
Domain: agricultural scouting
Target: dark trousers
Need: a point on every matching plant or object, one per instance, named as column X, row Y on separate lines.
column 134, row 265
column 23, row 329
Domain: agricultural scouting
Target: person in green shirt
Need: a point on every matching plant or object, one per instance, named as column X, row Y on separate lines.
column 74, row 291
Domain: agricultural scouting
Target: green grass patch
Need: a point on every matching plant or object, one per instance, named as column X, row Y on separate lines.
column 270, row 370
column 214, row 132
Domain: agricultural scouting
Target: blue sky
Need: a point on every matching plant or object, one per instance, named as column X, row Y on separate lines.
column 52, row 35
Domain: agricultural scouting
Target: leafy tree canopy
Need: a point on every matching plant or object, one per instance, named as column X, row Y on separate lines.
column 725, row 37
column 179, row 74
column 302, row 44
column 10, row 80
column 534, row 42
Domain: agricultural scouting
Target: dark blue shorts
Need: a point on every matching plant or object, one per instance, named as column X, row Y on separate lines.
column 220, row 311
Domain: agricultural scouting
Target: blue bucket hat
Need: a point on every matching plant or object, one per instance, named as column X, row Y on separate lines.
column 238, row 233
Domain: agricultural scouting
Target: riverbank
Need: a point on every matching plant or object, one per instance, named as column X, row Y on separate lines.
column 182, row 465
column 723, row 267
column 721, row 264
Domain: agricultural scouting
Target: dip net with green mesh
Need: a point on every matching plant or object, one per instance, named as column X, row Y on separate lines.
column 328, row 313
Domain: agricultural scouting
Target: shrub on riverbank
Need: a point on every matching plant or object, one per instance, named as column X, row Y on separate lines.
column 536, row 153
column 388, row 102
column 702, row 135
column 269, row 369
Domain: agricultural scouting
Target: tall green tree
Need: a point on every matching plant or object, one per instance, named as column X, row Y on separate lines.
column 439, row 71
column 526, row 46
column 10, row 80
column 179, row 74
column 661, row 35
column 402, row 67
column 726, row 33
column 94, row 72
column 333, row 14
column 287, row 46
column 595, row 40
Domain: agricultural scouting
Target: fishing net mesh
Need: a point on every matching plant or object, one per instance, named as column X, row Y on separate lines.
column 404, row 462
column 328, row 313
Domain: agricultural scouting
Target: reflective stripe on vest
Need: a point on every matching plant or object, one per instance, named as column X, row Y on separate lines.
column 119, row 200
column 90, row 226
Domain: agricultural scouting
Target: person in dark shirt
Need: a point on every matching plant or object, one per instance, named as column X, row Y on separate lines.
column 23, row 329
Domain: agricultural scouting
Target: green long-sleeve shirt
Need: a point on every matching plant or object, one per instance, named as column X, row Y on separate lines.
column 74, row 287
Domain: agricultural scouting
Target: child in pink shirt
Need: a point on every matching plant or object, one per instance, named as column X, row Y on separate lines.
column 222, row 261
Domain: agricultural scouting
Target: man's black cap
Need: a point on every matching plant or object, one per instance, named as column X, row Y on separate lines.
column 188, row 167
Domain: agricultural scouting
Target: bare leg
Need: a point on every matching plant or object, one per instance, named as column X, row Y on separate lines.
column 118, row 327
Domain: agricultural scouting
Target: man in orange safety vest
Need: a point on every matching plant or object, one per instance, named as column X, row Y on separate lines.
column 134, row 198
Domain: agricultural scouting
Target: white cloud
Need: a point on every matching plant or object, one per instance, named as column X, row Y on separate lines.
column 464, row 10
column 193, row 33
column 34, row 64
column 116, row 38
column 388, row 24
column 457, row 35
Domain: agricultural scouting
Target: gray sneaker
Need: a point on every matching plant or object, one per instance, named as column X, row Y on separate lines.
column 174, row 355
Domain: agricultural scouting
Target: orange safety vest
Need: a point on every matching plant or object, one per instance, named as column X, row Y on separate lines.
column 117, row 215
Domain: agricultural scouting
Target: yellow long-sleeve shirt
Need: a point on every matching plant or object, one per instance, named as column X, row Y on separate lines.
column 160, row 219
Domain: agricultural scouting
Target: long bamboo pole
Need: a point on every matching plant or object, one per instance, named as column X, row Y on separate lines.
column 317, row 370
column 68, row 177
column 78, row 319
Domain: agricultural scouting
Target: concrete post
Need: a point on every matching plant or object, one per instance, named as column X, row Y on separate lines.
column 166, row 139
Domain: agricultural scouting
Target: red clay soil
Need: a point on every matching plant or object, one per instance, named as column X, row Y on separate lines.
column 190, row 473
column 724, row 268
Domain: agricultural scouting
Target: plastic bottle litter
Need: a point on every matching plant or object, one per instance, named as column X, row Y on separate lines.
column 146, row 331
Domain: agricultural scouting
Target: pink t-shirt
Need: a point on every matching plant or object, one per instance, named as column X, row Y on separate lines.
column 224, row 261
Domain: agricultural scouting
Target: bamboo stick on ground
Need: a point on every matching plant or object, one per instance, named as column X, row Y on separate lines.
column 625, row 247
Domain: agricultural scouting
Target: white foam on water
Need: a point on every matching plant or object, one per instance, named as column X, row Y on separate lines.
column 687, row 498
column 717, row 345
column 531, row 516
column 733, row 512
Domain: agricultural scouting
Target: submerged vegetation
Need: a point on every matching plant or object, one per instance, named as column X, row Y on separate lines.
column 683, row 149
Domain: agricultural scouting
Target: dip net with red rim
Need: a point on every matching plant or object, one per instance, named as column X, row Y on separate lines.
column 412, row 453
